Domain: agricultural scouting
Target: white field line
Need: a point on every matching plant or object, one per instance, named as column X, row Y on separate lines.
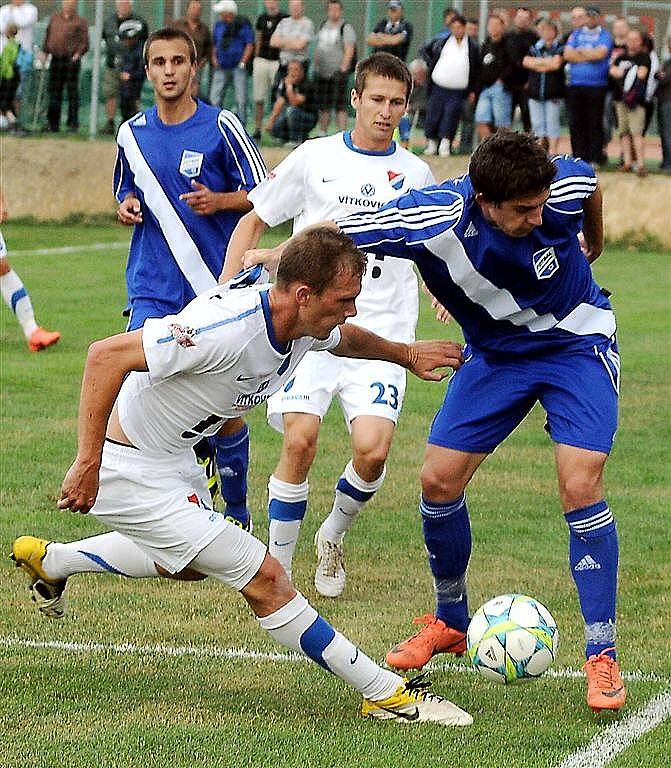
column 608, row 744
column 211, row 652
column 115, row 245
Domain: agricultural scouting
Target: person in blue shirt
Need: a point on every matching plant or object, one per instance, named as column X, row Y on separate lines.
column 233, row 47
column 181, row 178
column 500, row 249
column 588, row 52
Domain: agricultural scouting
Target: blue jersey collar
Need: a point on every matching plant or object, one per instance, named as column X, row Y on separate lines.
column 347, row 138
column 274, row 343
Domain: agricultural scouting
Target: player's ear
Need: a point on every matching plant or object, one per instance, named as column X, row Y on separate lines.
column 302, row 294
column 354, row 98
column 481, row 200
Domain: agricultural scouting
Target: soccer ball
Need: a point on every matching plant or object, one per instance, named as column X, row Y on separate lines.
column 511, row 638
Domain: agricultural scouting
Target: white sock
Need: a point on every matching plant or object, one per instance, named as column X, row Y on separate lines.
column 345, row 506
column 107, row 553
column 17, row 299
column 287, row 503
column 298, row 626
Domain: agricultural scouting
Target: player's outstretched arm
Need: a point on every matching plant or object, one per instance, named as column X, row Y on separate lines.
column 592, row 227
column 246, row 235
column 107, row 364
column 423, row 358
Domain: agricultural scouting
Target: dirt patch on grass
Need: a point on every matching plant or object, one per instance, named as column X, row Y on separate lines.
column 55, row 178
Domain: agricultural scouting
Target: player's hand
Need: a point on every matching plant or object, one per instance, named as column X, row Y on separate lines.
column 130, row 212
column 269, row 257
column 442, row 315
column 202, row 201
column 590, row 253
column 80, row 487
column 427, row 357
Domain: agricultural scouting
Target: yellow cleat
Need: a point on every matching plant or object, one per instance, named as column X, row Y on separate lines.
column 28, row 552
column 412, row 703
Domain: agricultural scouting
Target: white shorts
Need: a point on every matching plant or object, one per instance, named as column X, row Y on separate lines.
column 163, row 505
column 3, row 247
column 364, row 388
column 263, row 77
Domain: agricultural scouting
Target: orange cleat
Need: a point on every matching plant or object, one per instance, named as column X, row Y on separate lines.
column 605, row 689
column 434, row 637
column 41, row 338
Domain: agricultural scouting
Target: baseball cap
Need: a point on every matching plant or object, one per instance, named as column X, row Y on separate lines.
column 225, row 6
column 395, row 4
column 593, row 10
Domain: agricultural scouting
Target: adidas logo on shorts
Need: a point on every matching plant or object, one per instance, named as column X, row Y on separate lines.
column 588, row 563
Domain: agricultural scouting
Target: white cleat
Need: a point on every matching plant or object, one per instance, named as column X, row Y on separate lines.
column 330, row 573
column 412, row 703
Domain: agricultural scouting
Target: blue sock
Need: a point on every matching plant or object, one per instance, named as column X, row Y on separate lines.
column 232, row 454
column 447, row 535
column 593, row 555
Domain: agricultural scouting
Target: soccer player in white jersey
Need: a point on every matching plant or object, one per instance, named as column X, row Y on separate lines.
column 326, row 178
column 499, row 248
column 181, row 178
column 17, row 299
column 149, row 395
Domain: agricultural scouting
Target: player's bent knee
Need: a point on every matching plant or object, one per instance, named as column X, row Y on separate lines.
column 440, row 487
column 270, row 588
column 300, row 445
column 580, row 490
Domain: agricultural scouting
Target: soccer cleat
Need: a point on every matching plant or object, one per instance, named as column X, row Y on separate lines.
column 605, row 689
column 330, row 572
column 28, row 552
column 412, row 703
column 41, row 339
column 434, row 637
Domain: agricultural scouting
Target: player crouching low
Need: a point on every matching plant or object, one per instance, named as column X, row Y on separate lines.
column 149, row 395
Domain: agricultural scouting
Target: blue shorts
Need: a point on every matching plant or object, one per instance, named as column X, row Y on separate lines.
column 488, row 398
column 495, row 106
column 140, row 310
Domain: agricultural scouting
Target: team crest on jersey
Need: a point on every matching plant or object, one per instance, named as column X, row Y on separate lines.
column 182, row 334
column 396, row 179
column 367, row 190
column 545, row 263
column 191, row 163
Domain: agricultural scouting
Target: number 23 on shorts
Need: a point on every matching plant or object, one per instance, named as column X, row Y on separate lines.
column 385, row 395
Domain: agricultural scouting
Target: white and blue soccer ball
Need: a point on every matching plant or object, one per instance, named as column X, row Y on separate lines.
column 511, row 638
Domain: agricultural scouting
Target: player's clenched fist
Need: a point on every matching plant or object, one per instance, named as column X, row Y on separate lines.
column 129, row 211
column 427, row 357
column 80, row 487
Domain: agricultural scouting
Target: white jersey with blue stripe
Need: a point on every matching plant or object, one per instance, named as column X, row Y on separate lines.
column 522, row 295
column 176, row 254
column 215, row 360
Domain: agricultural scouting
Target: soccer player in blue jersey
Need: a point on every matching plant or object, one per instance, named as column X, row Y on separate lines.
column 181, row 178
column 499, row 249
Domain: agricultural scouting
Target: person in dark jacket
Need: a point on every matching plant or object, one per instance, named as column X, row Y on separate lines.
column 520, row 38
column 545, row 65
column 494, row 107
column 664, row 108
column 130, row 64
column 454, row 66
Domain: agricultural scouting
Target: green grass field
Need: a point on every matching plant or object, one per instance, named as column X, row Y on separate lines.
column 105, row 686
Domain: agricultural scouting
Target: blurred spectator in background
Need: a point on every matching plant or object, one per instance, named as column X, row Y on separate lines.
column 588, row 50
column 546, row 84
column 519, row 40
column 294, row 113
column 23, row 16
column 651, row 84
column 393, row 34
column 630, row 71
column 130, row 65
column 448, row 15
column 293, row 37
column 193, row 25
column 415, row 112
column 232, row 50
column 620, row 30
column 473, row 28
column 453, row 76
column 332, row 62
column 9, row 77
column 664, row 108
column 266, row 60
column 494, row 106
column 113, row 54
column 66, row 40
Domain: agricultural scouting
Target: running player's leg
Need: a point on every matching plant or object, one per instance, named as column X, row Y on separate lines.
column 582, row 422
column 480, row 410
column 231, row 449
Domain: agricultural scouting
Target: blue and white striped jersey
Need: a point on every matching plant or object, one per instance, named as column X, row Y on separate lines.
column 176, row 254
column 523, row 295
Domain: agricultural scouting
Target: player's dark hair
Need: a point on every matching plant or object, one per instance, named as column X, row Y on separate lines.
column 170, row 33
column 508, row 165
column 384, row 65
column 316, row 257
